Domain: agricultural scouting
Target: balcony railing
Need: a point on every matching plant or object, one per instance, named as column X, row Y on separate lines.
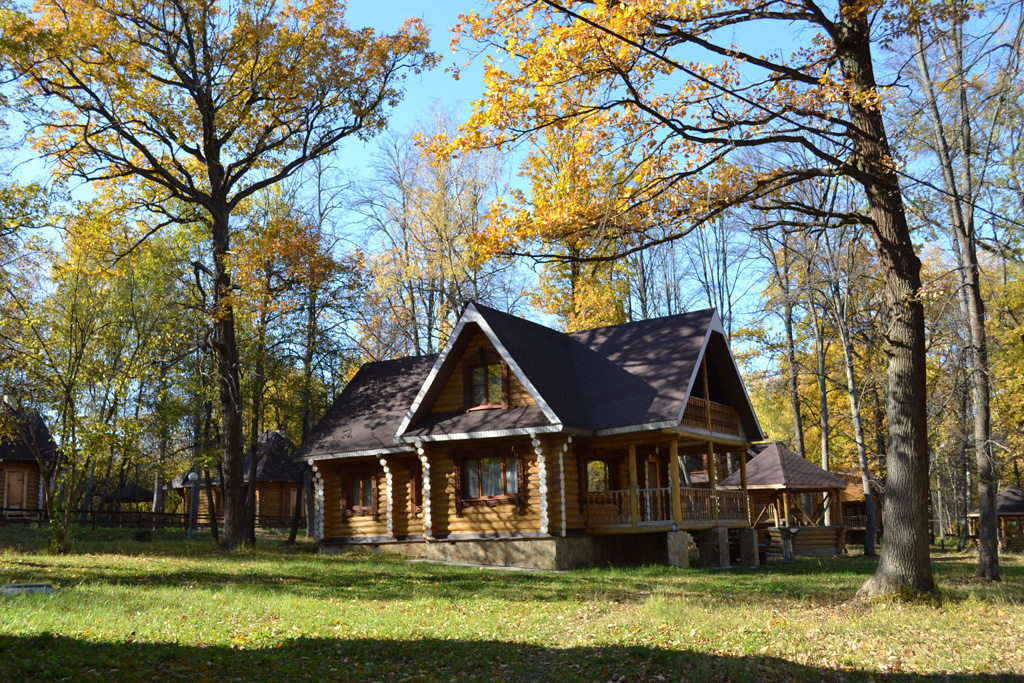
column 608, row 508
column 732, row 506
column 655, row 505
column 698, row 505
column 724, row 419
column 611, row 508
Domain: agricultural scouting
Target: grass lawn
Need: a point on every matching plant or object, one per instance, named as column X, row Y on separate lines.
column 165, row 610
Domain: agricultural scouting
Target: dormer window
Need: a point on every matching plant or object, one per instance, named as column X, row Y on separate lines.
column 486, row 378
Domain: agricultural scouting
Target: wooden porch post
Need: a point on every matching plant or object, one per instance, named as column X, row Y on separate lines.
column 634, row 501
column 785, row 507
column 713, row 476
column 675, row 496
column 775, row 509
column 743, row 484
column 837, row 506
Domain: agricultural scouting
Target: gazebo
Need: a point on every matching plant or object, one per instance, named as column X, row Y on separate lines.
column 1010, row 511
column 777, row 479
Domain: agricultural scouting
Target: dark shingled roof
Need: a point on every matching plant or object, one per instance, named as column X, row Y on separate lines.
column 617, row 376
column 1009, row 503
column 368, row 412
column 622, row 376
column 476, row 421
column 24, row 435
column 775, row 466
column 274, row 462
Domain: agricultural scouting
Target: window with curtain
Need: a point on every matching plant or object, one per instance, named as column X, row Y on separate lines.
column 490, row 477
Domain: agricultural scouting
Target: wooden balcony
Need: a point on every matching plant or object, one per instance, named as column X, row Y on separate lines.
column 723, row 418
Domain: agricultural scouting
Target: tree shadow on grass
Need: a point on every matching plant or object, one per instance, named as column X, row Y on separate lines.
column 52, row 658
column 363, row 577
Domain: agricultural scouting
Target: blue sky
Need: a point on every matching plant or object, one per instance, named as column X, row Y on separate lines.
column 421, row 91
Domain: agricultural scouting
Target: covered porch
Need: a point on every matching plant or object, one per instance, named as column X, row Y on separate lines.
column 661, row 493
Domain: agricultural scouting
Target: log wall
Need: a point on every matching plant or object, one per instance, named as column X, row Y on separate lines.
column 482, row 519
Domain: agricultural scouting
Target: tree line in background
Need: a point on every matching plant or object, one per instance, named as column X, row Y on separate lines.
column 226, row 277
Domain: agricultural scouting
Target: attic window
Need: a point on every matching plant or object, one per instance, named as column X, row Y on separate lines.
column 486, row 380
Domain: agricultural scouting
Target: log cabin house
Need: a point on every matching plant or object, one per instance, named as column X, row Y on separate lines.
column 278, row 478
column 520, row 445
column 25, row 444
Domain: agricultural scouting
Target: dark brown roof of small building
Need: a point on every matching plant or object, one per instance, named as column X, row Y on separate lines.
column 1009, row 503
column 24, row 436
column 274, row 462
column 130, row 493
column 777, row 467
column 366, row 415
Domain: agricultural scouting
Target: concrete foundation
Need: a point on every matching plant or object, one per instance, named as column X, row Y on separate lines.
column 572, row 552
column 713, row 545
column 678, row 549
column 748, row 547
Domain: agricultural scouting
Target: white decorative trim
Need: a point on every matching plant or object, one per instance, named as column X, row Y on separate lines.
column 428, row 530
column 388, row 498
column 318, row 502
column 490, row 434
column 542, row 483
column 359, row 454
column 561, row 480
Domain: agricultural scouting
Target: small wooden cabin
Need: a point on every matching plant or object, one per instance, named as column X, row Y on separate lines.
column 777, row 481
column 25, row 444
column 1010, row 513
column 520, row 445
column 278, row 478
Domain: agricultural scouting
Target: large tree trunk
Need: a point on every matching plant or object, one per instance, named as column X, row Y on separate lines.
column 211, row 506
column 794, row 379
column 819, row 356
column 961, row 222
column 904, row 564
column 226, row 346
column 159, row 495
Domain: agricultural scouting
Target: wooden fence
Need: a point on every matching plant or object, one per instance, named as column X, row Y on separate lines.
column 133, row 519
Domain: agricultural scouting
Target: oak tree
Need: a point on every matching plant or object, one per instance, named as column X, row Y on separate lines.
column 207, row 102
column 669, row 80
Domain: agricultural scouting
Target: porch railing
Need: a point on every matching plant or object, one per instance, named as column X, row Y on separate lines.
column 608, row 507
column 698, row 505
column 655, row 505
column 611, row 508
column 724, row 419
column 731, row 506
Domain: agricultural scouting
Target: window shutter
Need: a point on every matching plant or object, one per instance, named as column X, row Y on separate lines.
column 457, row 461
column 346, row 484
column 504, row 386
column 374, row 482
column 521, row 480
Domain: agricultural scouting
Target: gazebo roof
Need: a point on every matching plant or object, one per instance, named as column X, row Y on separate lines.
column 1009, row 503
column 777, row 467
